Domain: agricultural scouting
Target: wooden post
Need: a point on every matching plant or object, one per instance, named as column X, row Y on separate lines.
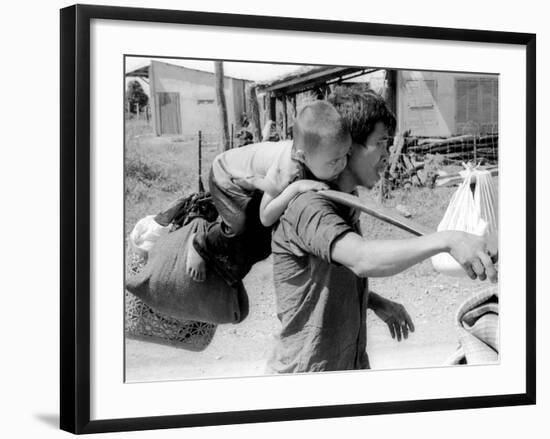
column 232, row 136
column 200, row 185
column 398, row 143
column 294, row 112
column 255, row 115
column 285, row 118
column 390, row 93
column 382, row 189
column 222, row 106
column 273, row 108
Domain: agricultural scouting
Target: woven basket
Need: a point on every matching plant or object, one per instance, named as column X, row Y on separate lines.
column 144, row 323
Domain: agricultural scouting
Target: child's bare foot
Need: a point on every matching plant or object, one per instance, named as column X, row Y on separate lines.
column 196, row 268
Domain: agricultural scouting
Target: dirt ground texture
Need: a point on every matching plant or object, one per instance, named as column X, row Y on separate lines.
column 160, row 169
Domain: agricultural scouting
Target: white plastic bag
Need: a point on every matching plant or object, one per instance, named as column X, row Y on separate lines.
column 146, row 233
column 473, row 213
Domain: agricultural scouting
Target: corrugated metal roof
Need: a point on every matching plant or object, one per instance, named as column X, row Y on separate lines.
column 310, row 77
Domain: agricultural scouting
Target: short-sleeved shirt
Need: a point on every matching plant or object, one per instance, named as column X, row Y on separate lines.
column 274, row 161
column 321, row 305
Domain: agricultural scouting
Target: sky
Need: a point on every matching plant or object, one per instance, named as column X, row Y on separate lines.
column 240, row 70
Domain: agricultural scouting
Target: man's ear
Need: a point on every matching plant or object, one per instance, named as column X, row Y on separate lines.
column 300, row 155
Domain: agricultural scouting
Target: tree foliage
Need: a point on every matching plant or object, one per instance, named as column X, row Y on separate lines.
column 136, row 95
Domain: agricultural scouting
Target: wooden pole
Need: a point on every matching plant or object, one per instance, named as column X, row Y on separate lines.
column 383, row 213
column 398, row 143
column 285, row 118
column 255, row 115
column 273, row 108
column 200, row 185
column 390, row 93
column 232, row 136
column 222, row 106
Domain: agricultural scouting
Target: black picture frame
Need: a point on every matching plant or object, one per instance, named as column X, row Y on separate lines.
column 75, row 217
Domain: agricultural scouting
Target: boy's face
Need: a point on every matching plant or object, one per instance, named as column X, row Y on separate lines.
column 328, row 160
column 368, row 161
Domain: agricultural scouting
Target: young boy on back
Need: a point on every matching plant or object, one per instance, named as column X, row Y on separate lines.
column 320, row 146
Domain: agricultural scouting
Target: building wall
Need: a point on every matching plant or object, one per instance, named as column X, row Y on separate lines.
column 197, row 96
column 428, row 103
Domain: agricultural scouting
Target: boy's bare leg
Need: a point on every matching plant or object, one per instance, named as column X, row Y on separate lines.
column 195, row 265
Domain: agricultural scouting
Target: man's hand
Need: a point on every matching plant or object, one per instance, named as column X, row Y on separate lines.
column 393, row 314
column 476, row 254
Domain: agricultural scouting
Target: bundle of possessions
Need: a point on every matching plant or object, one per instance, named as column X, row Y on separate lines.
column 473, row 208
column 161, row 284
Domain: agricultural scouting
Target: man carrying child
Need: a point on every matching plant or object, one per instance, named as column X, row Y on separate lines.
column 319, row 149
column 321, row 261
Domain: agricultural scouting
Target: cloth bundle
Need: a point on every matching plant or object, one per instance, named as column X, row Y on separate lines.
column 164, row 285
column 151, row 228
column 477, row 322
column 475, row 213
column 146, row 233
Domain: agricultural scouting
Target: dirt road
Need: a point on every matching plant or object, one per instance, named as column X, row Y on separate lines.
column 242, row 350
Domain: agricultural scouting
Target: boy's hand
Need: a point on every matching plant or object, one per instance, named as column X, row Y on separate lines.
column 302, row 186
column 476, row 254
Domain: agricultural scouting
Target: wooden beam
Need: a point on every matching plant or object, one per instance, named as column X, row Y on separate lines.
column 303, row 83
column 398, row 143
column 255, row 114
column 272, row 114
column 390, row 95
column 382, row 213
column 285, row 118
column 222, row 106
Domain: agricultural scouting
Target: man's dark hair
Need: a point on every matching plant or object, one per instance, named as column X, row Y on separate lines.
column 361, row 109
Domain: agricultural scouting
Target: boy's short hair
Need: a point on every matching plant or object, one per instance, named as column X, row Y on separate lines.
column 316, row 122
column 361, row 110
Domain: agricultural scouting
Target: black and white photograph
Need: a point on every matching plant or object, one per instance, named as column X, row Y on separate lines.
column 292, row 219
column 275, row 219
column 297, row 218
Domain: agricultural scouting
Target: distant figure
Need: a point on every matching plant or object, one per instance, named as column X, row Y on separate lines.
column 244, row 122
column 245, row 137
column 269, row 132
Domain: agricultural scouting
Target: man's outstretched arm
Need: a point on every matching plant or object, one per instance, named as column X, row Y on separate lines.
column 372, row 258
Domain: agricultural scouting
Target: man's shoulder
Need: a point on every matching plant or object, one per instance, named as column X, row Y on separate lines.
column 309, row 204
column 313, row 199
column 309, row 225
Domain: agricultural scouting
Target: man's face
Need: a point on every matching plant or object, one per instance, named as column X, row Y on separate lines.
column 367, row 162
